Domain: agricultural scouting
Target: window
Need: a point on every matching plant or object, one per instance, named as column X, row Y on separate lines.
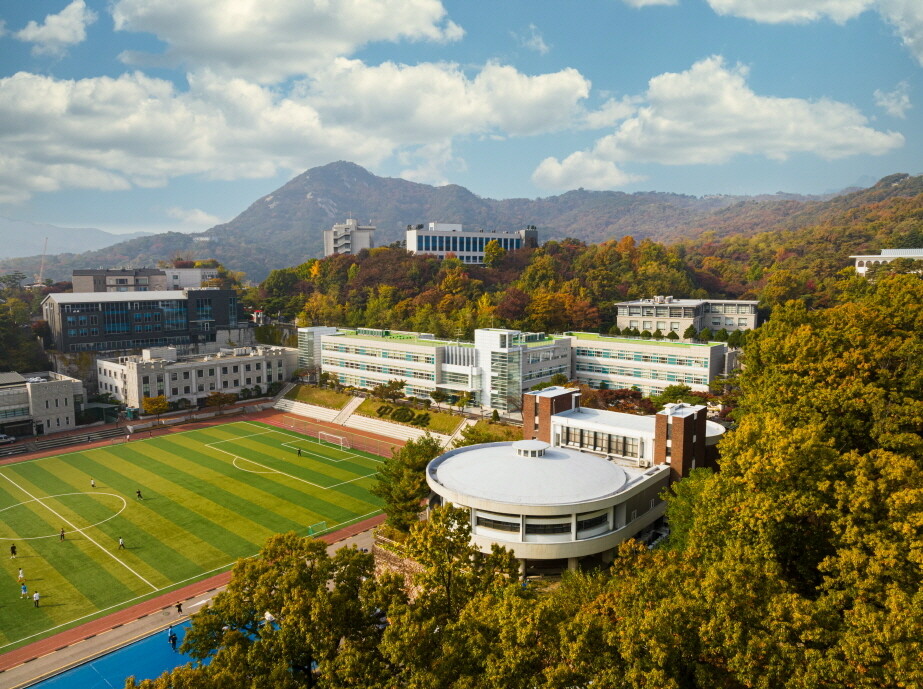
column 236, row 369
column 185, row 375
column 201, row 387
column 548, row 528
column 246, row 367
column 146, row 380
column 497, row 524
column 174, row 391
column 247, row 382
column 173, row 375
column 211, row 371
column 224, row 369
column 200, row 372
column 592, row 522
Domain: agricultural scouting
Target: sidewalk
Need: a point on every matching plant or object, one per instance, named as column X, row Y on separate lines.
column 49, row 656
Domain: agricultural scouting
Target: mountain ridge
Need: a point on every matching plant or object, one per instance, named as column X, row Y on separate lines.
column 285, row 227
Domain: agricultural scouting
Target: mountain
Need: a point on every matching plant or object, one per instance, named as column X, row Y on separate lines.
column 285, row 227
column 21, row 238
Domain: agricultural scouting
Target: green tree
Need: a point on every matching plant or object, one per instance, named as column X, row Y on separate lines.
column 220, row 399
column 493, row 253
column 401, row 481
column 690, row 333
column 392, row 391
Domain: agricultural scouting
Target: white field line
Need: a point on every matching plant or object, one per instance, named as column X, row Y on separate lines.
column 78, row 530
column 240, row 437
column 177, row 583
column 270, row 470
column 289, row 435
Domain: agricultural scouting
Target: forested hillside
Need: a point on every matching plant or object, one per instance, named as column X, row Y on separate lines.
column 571, row 285
column 285, row 227
column 797, row 566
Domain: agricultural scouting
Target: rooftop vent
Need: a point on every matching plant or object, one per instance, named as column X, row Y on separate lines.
column 530, row 448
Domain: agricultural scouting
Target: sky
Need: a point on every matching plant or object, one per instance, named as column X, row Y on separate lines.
column 163, row 115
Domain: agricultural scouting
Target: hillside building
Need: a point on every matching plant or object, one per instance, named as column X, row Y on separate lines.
column 111, row 321
column 161, row 371
column 500, row 363
column 39, row 403
column 119, row 280
column 440, row 239
column 348, row 238
column 667, row 314
column 141, row 279
column 866, row 261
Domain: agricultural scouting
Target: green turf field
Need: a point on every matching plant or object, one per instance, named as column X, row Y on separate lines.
column 209, row 497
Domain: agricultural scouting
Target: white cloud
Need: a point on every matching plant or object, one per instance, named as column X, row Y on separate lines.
column 59, row 31
column 137, row 131
column 611, row 112
column 580, row 169
column 906, row 16
column 649, row 3
column 193, row 217
column 533, row 40
column 708, row 114
column 896, row 102
column 291, row 37
column 797, row 11
column 426, row 102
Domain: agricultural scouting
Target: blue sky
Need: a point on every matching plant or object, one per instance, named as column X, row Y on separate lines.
column 163, row 115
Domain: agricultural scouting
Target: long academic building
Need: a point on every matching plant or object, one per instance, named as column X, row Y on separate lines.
column 500, row 364
column 440, row 239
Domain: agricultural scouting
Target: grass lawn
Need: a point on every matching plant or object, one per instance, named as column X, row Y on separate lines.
column 210, row 496
column 510, row 433
column 321, row 397
column 439, row 422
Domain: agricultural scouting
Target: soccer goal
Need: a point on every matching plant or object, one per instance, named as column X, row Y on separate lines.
column 338, row 440
column 296, row 424
column 320, row 527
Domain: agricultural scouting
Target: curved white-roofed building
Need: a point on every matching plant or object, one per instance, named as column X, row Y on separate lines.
column 547, row 503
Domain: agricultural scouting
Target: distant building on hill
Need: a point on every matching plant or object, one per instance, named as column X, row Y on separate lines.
column 439, row 239
column 348, row 238
column 141, row 279
column 667, row 314
column 120, row 280
column 866, row 261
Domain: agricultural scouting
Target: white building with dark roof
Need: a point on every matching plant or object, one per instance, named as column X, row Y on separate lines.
column 668, row 314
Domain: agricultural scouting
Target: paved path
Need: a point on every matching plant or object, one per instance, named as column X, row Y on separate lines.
column 57, row 653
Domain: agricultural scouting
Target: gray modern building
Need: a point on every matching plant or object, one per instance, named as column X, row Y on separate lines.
column 119, row 280
column 112, row 321
column 667, row 314
column 866, row 261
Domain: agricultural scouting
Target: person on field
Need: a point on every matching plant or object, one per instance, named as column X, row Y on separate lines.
column 35, row 598
column 23, row 591
column 13, row 552
column 121, row 544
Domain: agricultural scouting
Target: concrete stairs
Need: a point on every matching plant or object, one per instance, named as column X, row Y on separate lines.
column 311, row 411
column 348, row 410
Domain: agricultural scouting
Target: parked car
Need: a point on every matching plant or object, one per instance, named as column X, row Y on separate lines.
column 6, row 439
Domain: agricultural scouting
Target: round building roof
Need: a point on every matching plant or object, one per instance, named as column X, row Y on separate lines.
column 527, row 473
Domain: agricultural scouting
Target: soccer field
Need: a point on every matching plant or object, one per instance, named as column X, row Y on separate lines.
column 210, row 496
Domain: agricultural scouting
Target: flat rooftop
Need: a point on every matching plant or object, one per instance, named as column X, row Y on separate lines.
column 400, row 338
column 595, row 337
column 894, row 253
column 94, row 297
column 611, row 420
column 683, row 302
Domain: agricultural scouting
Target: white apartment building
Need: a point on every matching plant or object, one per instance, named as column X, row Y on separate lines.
column 500, row 364
column 440, row 239
column 160, row 371
column 866, row 261
column 667, row 314
column 38, row 403
column 348, row 238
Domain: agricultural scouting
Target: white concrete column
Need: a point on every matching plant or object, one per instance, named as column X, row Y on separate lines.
column 572, row 564
column 522, row 568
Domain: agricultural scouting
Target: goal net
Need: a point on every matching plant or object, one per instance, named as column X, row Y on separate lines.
column 338, row 440
column 295, row 423
column 318, row 528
